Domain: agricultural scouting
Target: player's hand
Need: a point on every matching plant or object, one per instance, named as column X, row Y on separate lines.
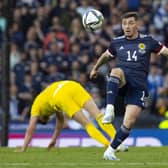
column 51, row 145
column 93, row 74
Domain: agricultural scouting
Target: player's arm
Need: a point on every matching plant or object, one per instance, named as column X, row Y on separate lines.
column 29, row 132
column 105, row 57
column 58, row 128
column 164, row 51
column 158, row 47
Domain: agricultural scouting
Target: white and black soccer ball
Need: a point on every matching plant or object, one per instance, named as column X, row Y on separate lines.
column 92, row 20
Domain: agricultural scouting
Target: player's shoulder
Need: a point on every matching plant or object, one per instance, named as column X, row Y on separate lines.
column 145, row 36
column 119, row 38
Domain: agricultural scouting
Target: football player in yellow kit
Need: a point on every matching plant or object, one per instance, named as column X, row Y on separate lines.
column 68, row 97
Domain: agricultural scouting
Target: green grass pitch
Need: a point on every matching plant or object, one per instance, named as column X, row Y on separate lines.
column 142, row 157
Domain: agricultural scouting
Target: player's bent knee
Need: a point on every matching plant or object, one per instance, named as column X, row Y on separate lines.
column 117, row 72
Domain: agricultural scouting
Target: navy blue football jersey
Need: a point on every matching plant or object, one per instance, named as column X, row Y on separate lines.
column 133, row 56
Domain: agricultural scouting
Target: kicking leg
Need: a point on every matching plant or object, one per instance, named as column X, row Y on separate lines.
column 131, row 114
column 115, row 80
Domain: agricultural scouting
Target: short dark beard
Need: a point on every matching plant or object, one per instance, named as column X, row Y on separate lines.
column 130, row 37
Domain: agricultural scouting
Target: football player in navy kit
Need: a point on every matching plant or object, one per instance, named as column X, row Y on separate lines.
column 132, row 52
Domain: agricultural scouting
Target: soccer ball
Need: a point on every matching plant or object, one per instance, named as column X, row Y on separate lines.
column 92, row 20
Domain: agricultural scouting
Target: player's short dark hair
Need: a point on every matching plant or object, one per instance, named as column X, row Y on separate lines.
column 130, row 14
column 44, row 121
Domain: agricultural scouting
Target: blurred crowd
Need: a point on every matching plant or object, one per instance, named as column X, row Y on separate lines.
column 48, row 43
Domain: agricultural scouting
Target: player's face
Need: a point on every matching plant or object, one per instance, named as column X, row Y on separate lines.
column 130, row 27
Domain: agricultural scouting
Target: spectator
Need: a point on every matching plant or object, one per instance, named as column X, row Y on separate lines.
column 54, row 55
column 156, row 34
column 95, row 93
column 155, row 82
column 84, row 60
column 160, row 18
column 3, row 22
column 70, row 15
column 53, row 74
column 56, row 34
column 14, row 103
column 25, row 96
column 37, row 77
column 74, row 52
column 21, row 68
column 17, row 16
column 26, row 18
column 84, row 7
column 75, row 29
column 75, row 70
column 14, row 55
column 16, row 35
column 31, row 37
column 83, row 80
column 32, row 54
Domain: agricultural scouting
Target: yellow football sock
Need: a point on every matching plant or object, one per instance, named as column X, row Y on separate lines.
column 108, row 128
column 96, row 134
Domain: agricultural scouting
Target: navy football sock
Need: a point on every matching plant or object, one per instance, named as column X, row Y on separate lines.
column 121, row 135
column 112, row 89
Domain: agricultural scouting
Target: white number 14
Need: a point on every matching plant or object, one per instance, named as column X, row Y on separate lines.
column 132, row 57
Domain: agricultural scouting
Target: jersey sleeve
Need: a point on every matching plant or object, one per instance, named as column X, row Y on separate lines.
column 35, row 110
column 111, row 49
column 156, row 46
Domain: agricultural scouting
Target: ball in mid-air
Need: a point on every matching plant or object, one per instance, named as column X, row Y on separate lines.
column 92, row 20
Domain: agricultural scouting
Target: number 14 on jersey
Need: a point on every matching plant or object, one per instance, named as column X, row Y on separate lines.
column 131, row 55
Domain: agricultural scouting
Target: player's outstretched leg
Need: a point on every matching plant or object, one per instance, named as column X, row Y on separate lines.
column 109, row 154
column 110, row 131
column 121, row 135
column 112, row 91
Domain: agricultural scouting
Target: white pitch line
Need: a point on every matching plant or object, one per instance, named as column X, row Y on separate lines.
column 131, row 164
column 15, row 164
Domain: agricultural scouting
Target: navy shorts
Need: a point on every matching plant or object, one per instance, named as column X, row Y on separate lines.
column 133, row 95
column 134, row 91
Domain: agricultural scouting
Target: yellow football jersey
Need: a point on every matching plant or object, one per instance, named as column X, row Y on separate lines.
column 66, row 96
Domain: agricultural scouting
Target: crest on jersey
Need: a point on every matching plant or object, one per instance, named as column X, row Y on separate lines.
column 142, row 48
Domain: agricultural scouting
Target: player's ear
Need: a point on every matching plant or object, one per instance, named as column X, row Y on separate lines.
column 122, row 26
column 139, row 23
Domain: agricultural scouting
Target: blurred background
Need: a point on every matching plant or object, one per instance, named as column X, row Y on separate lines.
column 46, row 42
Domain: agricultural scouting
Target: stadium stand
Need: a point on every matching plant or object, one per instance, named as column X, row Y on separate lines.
column 48, row 43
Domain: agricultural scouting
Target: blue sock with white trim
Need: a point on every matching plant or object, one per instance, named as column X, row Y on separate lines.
column 121, row 135
column 112, row 89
